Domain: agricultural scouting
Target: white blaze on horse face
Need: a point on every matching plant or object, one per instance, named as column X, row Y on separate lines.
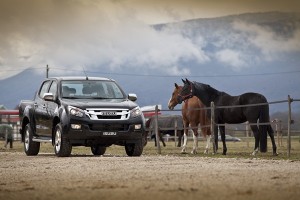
column 169, row 104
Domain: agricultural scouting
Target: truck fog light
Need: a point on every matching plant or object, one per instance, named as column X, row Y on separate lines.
column 137, row 126
column 76, row 126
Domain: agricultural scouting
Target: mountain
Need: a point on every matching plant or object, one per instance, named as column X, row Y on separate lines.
column 257, row 52
column 19, row 87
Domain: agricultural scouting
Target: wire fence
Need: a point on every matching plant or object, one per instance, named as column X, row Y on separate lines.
column 277, row 123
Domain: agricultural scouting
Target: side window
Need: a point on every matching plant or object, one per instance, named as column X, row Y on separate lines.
column 44, row 88
column 53, row 89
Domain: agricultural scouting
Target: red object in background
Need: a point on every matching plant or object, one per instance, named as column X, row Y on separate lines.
column 9, row 116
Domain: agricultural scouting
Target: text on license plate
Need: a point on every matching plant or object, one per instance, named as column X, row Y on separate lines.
column 109, row 133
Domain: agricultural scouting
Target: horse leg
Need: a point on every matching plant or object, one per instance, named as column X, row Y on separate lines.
column 205, row 131
column 154, row 137
column 222, row 132
column 179, row 138
column 161, row 138
column 184, row 142
column 255, row 131
column 271, row 134
column 195, row 138
column 185, row 132
column 208, row 138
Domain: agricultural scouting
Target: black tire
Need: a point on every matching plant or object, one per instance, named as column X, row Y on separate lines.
column 134, row 149
column 62, row 146
column 98, row 150
column 31, row 148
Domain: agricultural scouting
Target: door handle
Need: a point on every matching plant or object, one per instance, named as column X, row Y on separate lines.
column 35, row 105
column 44, row 106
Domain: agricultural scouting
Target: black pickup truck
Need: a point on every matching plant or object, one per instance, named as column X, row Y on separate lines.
column 82, row 111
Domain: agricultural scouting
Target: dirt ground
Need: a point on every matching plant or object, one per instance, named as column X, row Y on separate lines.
column 147, row 177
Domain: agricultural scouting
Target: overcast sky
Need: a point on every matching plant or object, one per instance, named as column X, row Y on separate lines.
column 158, row 11
column 95, row 33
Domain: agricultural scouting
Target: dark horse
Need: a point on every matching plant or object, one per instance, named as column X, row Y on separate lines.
column 234, row 115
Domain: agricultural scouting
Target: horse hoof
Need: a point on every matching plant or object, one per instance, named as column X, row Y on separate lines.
column 194, row 152
column 183, row 152
column 275, row 154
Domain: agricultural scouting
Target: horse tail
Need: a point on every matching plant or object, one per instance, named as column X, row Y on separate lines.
column 263, row 129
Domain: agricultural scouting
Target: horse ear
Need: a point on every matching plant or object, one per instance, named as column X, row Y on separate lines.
column 176, row 86
column 187, row 81
column 183, row 81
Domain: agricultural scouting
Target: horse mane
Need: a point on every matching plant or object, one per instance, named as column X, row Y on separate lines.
column 210, row 93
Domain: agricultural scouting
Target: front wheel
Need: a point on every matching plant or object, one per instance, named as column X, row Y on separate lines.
column 134, row 149
column 31, row 148
column 98, row 150
column 62, row 146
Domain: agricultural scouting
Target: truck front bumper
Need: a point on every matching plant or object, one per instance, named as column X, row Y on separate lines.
column 105, row 133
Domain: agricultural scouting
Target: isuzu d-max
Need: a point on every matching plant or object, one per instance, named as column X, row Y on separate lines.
column 82, row 111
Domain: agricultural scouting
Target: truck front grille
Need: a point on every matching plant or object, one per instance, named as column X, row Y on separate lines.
column 109, row 127
column 107, row 114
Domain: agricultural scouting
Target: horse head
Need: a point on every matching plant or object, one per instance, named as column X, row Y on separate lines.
column 173, row 100
column 186, row 91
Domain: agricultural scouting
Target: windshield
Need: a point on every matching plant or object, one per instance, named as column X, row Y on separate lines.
column 86, row 89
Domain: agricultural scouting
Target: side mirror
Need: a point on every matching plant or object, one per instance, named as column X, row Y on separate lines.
column 132, row 97
column 48, row 97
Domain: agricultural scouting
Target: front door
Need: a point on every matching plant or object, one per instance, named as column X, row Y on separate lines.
column 40, row 111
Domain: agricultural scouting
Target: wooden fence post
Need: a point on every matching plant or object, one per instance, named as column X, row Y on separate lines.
column 289, row 127
column 212, row 125
column 156, row 130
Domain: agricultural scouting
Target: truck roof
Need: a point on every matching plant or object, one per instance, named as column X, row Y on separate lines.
column 81, row 78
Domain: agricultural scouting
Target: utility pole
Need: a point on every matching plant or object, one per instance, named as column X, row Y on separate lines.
column 47, row 71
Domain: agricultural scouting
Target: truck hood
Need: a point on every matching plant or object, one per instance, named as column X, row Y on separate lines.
column 100, row 103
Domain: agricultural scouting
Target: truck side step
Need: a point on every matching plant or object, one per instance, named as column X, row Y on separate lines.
column 41, row 139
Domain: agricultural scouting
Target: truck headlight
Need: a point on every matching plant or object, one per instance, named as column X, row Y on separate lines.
column 135, row 112
column 76, row 111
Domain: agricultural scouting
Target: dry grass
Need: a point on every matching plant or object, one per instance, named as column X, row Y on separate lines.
column 235, row 150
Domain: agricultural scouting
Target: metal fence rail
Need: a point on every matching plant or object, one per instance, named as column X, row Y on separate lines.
column 212, row 108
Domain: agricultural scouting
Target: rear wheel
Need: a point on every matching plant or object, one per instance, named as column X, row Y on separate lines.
column 62, row 146
column 31, row 148
column 98, row 150
column 134, row 149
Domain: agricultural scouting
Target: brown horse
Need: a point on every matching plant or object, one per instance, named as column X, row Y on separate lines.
column 193, row 114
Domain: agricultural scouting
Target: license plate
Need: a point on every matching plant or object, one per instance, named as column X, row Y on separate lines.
column 109, row 133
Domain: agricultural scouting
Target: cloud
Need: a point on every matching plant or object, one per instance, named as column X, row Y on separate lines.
column 232, row 58
column 270, row 43
column 101, row 35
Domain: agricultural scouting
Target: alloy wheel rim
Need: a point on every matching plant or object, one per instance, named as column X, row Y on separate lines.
column 26, row 140
column 57, row 140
